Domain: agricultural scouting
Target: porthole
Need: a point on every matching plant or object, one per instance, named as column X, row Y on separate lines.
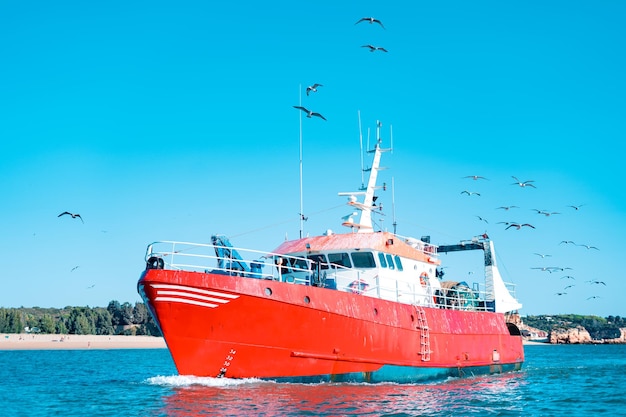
column 375, row 311
column 307, row 300
column 268, row 291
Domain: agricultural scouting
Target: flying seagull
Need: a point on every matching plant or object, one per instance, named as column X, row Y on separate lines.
column 475, row 177
column 482, row 220
column 309, row 112
column 470, row 192
column 568, row 277
column 561, row 293
column 370, row 20
column 569, row 286
column 519, row 226
column 71, row 214
column 76, row 267
column 507, row 208
column 546, row 213
column 588, row 247
column 549, row 269
column 576, row 207
column 374, row 48
column 542, row 255
column 567, row 242
column 523, row 183
column 313, row 88
column 592, row 297
column 597, row 282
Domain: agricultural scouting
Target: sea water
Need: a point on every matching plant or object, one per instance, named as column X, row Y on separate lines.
column 564, row 380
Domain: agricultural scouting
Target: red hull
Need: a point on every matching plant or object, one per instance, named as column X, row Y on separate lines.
column 266, row 329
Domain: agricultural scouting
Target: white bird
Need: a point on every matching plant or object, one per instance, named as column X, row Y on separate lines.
column 475, row 177
column 507, row 208
column 542, row 255
column 546, row 213
column 588, row 247
column 549, row 269
column 568, row 277
column 567, row 242
column 597, row 282
column 483, row 220
column 370, row 20
column 374, row 48
column 313, row 88
column 309, row 112
column 523, row 183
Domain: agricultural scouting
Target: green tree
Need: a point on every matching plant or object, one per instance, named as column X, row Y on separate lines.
column 11, row 321
column 127, row 314
column 115, row 309
column 80, row 321
column 46, row 324
column 104, row 322
column 60, row 327
column 140, row 313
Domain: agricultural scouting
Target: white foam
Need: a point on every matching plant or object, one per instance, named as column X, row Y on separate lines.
column 190, row 380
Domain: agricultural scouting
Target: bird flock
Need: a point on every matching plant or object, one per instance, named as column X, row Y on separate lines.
column 313, row 87
column 510, row 225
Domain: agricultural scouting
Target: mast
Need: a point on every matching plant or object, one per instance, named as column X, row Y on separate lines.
column 361, row 150
column 301, row 201
column 364, row 224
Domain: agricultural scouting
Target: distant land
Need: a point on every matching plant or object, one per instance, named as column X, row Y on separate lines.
column 134, row 320
column 115, row 319
column 574, row 329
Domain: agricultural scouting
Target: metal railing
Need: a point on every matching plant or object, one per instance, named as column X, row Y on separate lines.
column 198, row 257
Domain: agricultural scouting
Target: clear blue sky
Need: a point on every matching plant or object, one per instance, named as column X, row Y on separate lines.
column 174, row 121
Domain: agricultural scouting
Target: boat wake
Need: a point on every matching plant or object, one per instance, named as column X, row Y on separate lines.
column 190, row 380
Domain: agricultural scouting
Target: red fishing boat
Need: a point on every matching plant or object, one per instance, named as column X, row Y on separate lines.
column 363, row 305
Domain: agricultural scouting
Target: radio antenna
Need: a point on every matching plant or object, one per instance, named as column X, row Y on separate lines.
column 301, row 201
column 393, row 204
column 361, row 150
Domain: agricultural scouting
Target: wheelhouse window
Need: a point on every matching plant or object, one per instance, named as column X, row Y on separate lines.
column 301, row 264
column 398, row 263
column 318, row 259
column 383, row 261
column 339, row 259
column 363, row 259
column 390, row 261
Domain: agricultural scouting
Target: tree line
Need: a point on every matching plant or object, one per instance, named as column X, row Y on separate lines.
column 115, row 319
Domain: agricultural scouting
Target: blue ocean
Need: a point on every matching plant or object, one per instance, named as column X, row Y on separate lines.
column 564, row 380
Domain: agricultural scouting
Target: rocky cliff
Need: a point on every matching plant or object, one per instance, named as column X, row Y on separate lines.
column 574, row 335
column 579, row 334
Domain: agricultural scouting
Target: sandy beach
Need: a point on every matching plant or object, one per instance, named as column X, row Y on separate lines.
column 14, row 341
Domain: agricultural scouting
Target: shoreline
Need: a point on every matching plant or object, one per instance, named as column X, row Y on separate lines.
column 535, row 343
column 22, row 341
